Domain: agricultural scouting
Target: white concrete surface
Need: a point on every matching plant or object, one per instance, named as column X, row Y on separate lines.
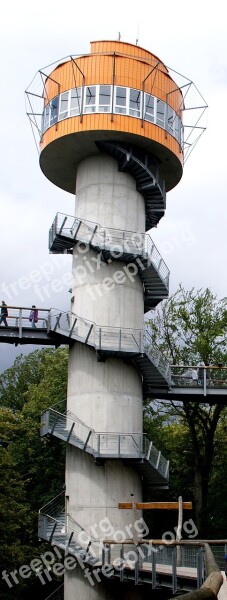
column 107, row 396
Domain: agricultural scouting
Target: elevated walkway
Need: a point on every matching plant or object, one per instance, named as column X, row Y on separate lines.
column 113, row 244
column 133, row 448
column 68, row 328
column 160, row 379
column 146, row 561
column 186, row 386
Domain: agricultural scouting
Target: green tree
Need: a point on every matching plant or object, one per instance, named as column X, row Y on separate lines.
column 189, row 327
column 32, row 469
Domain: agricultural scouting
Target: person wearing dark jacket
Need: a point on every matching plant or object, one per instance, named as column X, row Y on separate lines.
column 4, row 314
column 33, row 318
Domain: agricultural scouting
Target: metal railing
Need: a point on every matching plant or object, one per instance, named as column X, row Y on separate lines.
column 18, row 316
column 101, row 444
column 112, row 339
column 197, row 376
column 157, row 558
column 100, row 337
column 57, row 526
column 115, row 241
column 211, row 586
column 194, row 561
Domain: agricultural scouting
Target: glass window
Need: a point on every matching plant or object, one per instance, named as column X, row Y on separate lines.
column 177, row 128
column 54, row 110
column 160, row 119
column 90, row 99
column 46, row 119
column 63, row 106
column 104, row 98
column 134, row 103
column 75, row 103
column 170, row 119
column 120, row 104
column 149, row 108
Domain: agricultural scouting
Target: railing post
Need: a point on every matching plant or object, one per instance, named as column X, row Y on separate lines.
column 122, row 563
column 119, row 445
column 204, row 381
column 149, row 451
column 174, row 570
column 108, row 554
column 93, row 233
column 73, row 325
column 100, row 338
column 140, row 341
column 87, row 440
column 68, row 543
column 119, row 339
column 20, row 322
column 154, row 556
column 57, row 321
column 158, row 459
column 52, row 532
column 137, row 567
column 49, row 320
column 41, row 526
column 70, row 432
column 90, row 329
column 199, row 560
column 54, row 425
column 98, row 444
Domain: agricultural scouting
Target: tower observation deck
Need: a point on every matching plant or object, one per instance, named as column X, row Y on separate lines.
column 110, row 128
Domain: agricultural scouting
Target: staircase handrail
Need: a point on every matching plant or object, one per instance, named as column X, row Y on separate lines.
column 144, row 246
column 145, row 449
column 144, row 343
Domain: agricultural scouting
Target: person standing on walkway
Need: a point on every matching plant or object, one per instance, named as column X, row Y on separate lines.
column 33, row 317
column 4, row 314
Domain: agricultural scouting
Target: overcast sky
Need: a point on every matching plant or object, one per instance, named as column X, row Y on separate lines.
column 190, row 38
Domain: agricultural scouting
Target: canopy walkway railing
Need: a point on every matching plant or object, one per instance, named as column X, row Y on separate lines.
column 185, row 565
column 18, row 316
column 198, row 376
column 55, row 327
column 192, row 567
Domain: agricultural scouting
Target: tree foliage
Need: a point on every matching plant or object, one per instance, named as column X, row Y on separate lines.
column 32, row 469
column 189, row 327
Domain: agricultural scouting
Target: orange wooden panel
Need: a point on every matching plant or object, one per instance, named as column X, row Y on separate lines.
column 131, row 66
column 102, row 121
column 155, row 505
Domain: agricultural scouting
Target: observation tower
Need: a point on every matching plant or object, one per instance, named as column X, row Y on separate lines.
column 111, row 133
